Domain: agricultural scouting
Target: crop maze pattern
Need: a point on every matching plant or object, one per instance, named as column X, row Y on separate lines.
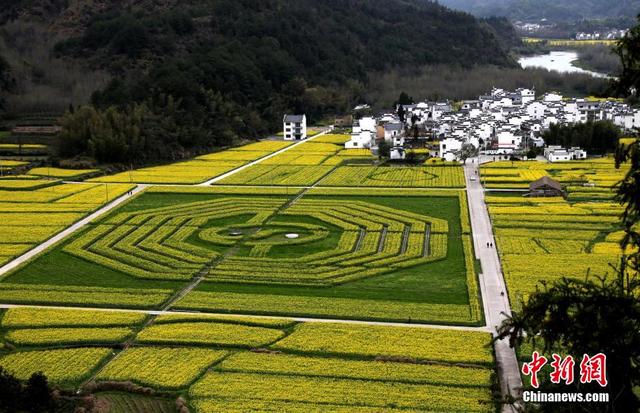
column 158, row 243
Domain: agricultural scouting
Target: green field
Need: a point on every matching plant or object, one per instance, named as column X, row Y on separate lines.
column 364, row 257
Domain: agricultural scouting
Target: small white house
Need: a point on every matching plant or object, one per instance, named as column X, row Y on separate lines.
column 559, row 154
column 508, row 140
column 526, row 95
column 392, row 130
column 295, row 127
column 449, row 148
column 552, row 97
column 363, row 134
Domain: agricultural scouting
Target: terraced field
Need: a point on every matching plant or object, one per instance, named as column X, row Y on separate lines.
column 585, row 179
column 199, row 169
column 544, row 239
column 397, row 177
column 33, row 210
column 305, row 367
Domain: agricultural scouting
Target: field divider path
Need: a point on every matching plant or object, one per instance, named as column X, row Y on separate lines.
column 492, row 286
column 16, row 262
column 383, row 238
column 426, row 248
column 213, row 316
column 264, row 158
column 405, row 239
column 363, row 233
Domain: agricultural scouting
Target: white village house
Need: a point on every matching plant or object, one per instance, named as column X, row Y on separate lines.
column 295, row 127
column 555, row 153
column 363, row 134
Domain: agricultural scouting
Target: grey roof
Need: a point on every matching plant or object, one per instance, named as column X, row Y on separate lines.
column 545, row 181
column 293, row 118
column 393, row 126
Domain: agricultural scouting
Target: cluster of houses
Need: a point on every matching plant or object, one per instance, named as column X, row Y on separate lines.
column 611, row 34
column 499, row 123
column 367, row 132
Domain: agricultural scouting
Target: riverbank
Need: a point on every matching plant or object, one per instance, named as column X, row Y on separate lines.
column 565, row 61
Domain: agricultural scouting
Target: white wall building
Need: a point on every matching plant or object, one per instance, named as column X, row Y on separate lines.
column 295, row 127
column 363, row 134
column 449, row 148
column 556, row 153
column 552, row 97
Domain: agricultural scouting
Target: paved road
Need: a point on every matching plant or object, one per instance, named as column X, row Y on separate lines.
column 257, row 161
column 265, row 317
column 65, row 233
column 492, row 284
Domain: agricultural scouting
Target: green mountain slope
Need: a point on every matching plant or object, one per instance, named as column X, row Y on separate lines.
column 219, row 69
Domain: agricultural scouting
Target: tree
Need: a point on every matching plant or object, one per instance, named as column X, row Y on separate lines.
column 628, row 48
column 384, row 149
column 33, row 396
column 7, row 83
column 10, row 392
column 37, row 394
column 629, row 195
column 412, row 158
column 405, row 99
column 415, row 132
column 466, row 151
column 401, row 113
column 595, row 137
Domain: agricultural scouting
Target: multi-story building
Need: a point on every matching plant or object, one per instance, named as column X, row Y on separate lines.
column 295, row 127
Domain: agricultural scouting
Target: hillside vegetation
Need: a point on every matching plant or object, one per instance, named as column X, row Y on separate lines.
column 203, row 73
column 549, row 9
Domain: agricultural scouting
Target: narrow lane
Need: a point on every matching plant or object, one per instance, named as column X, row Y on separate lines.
column 257, row 161
column 492, row 285
column 257, row 316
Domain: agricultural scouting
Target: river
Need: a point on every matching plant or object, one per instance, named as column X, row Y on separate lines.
column 557, row 61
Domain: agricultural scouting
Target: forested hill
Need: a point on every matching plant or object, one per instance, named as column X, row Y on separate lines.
column 554, row 10
column 217, row 69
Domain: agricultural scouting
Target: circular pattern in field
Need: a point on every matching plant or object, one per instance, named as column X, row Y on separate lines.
column 238, row 239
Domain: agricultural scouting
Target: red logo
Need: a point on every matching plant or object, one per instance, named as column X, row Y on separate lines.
column 591, row 369
column 532, row 369
column 562, row 369
column 594, row 369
